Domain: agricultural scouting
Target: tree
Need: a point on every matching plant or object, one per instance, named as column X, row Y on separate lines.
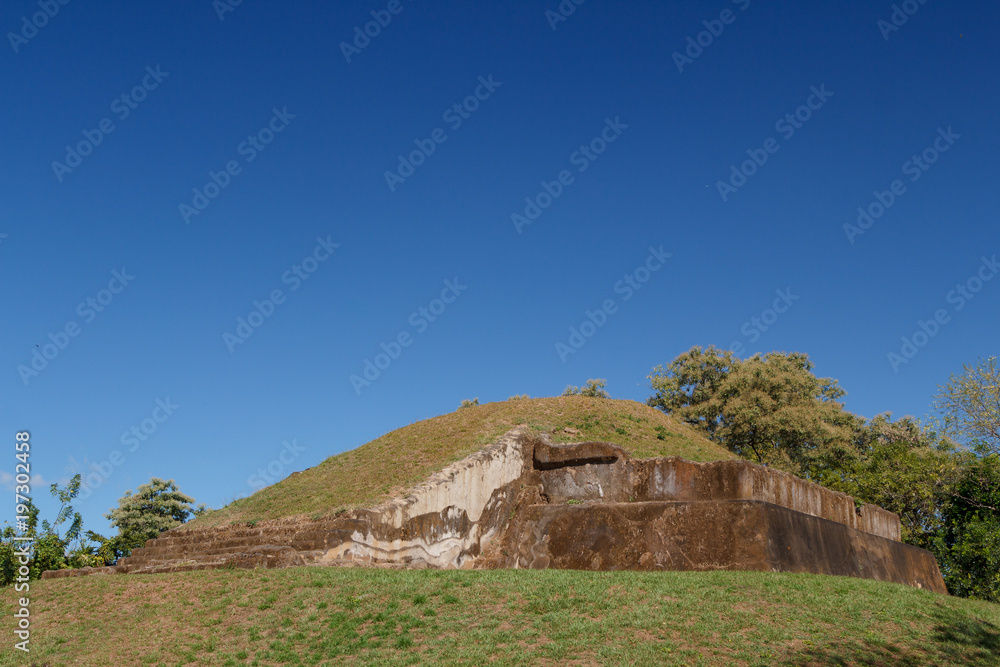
column 771, row 409
column 593, row 389
column 967, row 545
column 47, row 548
column 466, row 403
column 970, row 404
column 901, row 466
column 152, row 509
column 688, row 388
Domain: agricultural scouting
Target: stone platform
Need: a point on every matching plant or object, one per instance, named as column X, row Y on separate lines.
column 525, row 503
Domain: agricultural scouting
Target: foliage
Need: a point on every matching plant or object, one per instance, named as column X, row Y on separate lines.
column 519, row 397
column 970, row 403
column 903, row 467
column 47, row 548
column 689, row 387
column 154, row 507
column 593, row 389
column 967, row 545
column 466, row 403
column 772, row 410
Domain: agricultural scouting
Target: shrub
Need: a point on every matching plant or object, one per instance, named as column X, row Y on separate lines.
column 593, row 389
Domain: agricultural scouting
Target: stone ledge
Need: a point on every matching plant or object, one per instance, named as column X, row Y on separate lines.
column 709, row 535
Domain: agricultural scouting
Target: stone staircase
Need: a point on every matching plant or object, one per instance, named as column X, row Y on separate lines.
column 237, row 546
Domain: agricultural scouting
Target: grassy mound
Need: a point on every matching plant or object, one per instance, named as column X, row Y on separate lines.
column 336, row 616
column 390, row 465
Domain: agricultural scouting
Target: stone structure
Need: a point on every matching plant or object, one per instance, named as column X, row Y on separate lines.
column 525, row 503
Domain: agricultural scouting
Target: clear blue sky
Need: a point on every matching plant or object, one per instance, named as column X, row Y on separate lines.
column 631, row 140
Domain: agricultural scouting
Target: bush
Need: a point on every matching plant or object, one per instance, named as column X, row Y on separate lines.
column 152, row 509
column 46, row 548
column 593, row 389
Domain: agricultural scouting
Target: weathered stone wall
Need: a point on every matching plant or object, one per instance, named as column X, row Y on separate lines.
column 443, row 520
column 707, row 535
column 623, row 479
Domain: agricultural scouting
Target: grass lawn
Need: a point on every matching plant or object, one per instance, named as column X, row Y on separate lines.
column 333, row 616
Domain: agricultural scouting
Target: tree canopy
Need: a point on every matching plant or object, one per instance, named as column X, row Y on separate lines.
column 970, row 404
column 154, row 507
column 769, row 409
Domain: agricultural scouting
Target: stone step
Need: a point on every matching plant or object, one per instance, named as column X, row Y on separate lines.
column 156, row 553
column 183, row 536
column 303, row 540
column 257, row 556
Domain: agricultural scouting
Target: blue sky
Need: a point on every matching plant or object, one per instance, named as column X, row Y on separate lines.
column 248, row 159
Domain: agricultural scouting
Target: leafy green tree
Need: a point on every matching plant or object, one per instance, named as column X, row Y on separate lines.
column 593, row 389
column 688, row 388
column 50, row 547
column 770, row 409
column 970, row 404
column 904, row 467
column 967, row 545
column 152, row 509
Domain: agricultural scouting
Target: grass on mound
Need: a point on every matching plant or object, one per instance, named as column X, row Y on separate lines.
column 391, row 465
column 337, row 616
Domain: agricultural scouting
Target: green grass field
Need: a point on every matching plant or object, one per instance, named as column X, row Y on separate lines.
column 332, row 616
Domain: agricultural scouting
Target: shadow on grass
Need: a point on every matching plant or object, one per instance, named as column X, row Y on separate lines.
column 956, row 639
